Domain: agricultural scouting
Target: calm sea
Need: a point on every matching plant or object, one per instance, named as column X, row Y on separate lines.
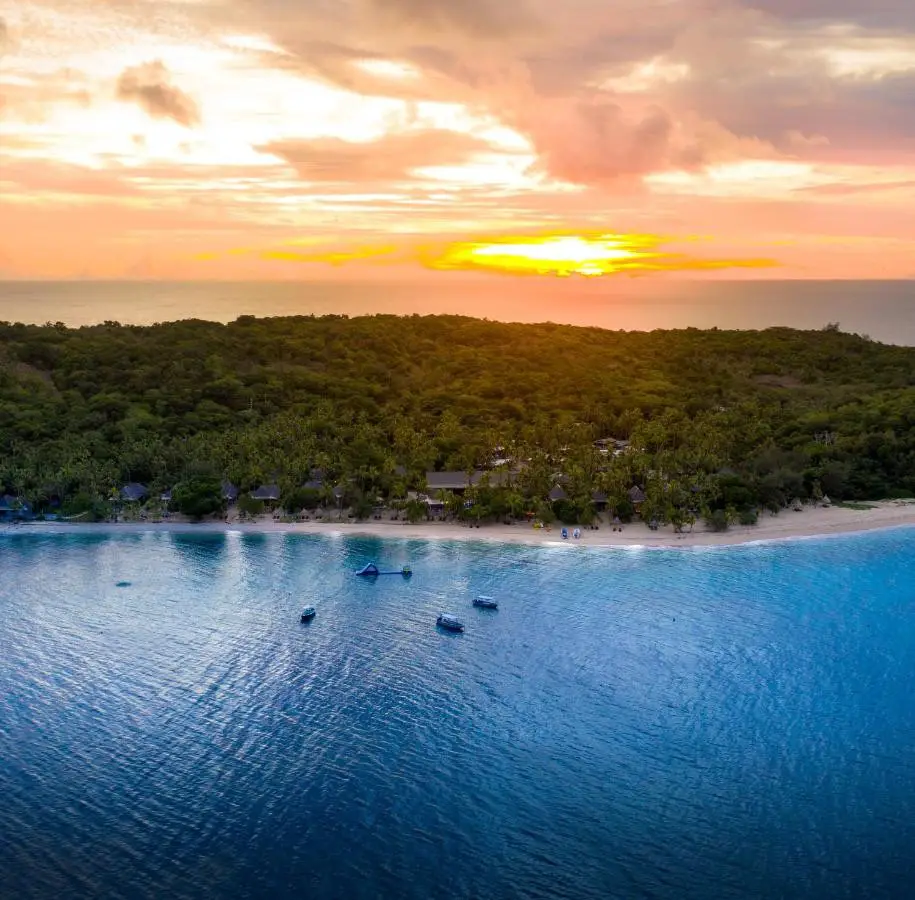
column 732, row 722
column 885, row 310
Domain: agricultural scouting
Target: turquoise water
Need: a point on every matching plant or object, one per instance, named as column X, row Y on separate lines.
column 729, row 722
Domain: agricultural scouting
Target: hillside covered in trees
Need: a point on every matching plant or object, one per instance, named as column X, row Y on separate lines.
column 734, row 421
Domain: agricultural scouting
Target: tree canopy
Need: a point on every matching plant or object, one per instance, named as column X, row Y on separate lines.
column 744, row 418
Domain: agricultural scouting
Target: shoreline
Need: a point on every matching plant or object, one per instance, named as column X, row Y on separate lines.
column 809, row 523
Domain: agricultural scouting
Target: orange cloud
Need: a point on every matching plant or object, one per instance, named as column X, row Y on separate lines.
column 334, row 258
column 389, row 158
column 425, row 124
column 149, row 85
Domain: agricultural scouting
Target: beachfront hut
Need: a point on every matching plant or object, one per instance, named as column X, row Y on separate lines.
column 637, row 497
column 133, row 492
column 456, row 482
column 229, row 492
column 13, row 509
column 268, row 493
column 459, row 482
column 600, row 500
column 557, row 494
column 313, row 484
column 166, row 496
column 434, row 506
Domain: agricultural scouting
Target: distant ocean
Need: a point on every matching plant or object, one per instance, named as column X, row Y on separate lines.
column 712, row 724
column 885, row 310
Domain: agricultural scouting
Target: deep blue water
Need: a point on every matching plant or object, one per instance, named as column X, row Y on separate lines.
column 732, row 722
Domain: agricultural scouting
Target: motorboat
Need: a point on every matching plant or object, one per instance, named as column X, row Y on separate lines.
column 308, row 613
column 370, row 570
column 449, row 622
column 485, row 602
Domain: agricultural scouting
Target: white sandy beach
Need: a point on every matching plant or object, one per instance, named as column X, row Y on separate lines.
column 809, row 522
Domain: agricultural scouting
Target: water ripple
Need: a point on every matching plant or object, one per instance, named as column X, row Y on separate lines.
column 628, row 724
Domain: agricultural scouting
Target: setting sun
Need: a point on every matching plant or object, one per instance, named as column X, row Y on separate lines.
column 589, row 255
column 561, row 255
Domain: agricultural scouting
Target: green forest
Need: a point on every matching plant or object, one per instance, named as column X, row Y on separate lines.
column 718, row 423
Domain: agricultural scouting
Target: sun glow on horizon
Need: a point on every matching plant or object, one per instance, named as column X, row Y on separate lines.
column 588, row 255
column 561, row 255
column 555, row 254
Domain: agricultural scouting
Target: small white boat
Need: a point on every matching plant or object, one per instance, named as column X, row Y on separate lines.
column 308, row 613
column 485, row 602
column 449, row 622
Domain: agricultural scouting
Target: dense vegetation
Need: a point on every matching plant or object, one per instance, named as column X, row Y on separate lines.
column 726, row 421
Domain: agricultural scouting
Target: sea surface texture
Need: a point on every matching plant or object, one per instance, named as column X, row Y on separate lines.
column 880, row 309
column 728, row 722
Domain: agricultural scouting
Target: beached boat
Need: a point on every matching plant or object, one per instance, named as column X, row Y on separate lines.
column 449, row 622
column 308, row 613
column 485, row 602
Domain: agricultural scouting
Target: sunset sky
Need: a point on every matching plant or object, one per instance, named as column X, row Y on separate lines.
column 185, row 139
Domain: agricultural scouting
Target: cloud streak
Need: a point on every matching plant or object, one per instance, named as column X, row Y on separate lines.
column 390, row 158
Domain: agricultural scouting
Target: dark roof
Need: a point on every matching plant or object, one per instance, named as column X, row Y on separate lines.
column 599, row 497
column 229, row 491
column 558, row 493
column 339, row 491
column 450, row 481
column 636, row 494
column 133, row 491
column 267, row 492
column 313, row 484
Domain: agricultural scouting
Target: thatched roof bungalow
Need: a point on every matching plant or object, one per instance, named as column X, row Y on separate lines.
column 133, row 492
column 269, row 493
column 12, row 508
